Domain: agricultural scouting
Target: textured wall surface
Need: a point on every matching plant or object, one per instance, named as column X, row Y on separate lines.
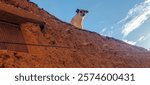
column 63, row 45
column 10, row 33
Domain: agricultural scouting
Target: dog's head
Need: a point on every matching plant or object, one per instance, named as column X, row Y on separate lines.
column 81, row 12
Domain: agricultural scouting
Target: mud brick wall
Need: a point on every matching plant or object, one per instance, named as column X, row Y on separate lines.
column 86, row 49
column 10, row 35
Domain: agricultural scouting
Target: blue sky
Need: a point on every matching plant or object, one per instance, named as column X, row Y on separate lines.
column 127, row 20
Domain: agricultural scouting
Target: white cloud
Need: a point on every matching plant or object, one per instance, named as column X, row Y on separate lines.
column 141, row 38
column 144, row 37
column 136, row 17
column 103, row 30
column 130, row 42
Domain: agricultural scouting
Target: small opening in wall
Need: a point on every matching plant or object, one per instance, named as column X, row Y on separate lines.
column 42, row 27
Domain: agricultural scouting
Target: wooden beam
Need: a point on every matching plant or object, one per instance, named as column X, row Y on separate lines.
column 11, row 14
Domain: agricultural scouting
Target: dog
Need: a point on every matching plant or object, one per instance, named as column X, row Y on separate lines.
column 78, row 18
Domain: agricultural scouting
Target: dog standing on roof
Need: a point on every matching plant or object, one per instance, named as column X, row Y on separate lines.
column 78, row 18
